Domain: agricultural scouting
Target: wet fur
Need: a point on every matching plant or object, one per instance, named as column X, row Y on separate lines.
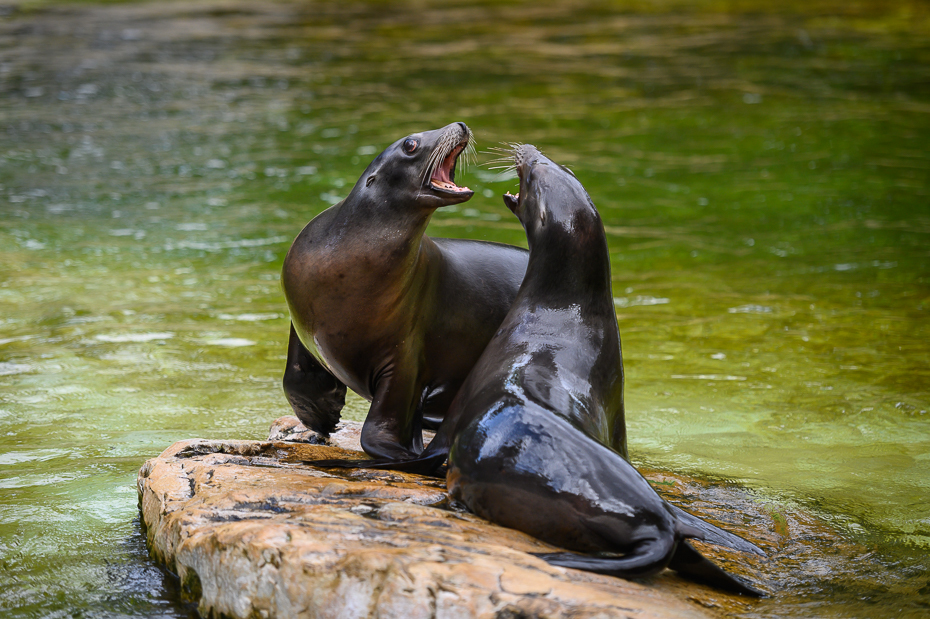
column 530, row 448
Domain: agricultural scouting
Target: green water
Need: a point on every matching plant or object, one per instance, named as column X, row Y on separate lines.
column 764, row 177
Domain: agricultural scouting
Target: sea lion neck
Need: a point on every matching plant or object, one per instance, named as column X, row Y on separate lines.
column 384, row 220
column 553, row 276
column 569, row 256
column 568, row 248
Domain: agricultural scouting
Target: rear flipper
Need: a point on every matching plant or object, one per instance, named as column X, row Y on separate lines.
column 715, row 535
column 316, row 396
column 648, row 559
column 423, row 465
column 692, row 565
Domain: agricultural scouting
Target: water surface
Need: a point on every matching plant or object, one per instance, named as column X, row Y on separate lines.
column 762, row 175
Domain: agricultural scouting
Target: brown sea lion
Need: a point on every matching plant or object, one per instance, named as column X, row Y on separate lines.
column 375, row 305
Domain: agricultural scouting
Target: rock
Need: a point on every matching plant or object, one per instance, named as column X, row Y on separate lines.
column 289, row 428
column 252, row 531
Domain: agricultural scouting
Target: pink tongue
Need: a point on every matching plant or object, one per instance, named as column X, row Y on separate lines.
column 442, row 176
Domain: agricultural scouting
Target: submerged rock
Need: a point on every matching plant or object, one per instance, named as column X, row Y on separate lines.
column 252, row 531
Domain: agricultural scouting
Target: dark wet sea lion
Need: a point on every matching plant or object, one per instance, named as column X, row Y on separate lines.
column 532, row 448
column 398, row 317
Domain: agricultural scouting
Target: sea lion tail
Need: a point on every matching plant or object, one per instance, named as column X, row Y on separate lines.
column 648, row 559
column 692, row 526
column 692, row 565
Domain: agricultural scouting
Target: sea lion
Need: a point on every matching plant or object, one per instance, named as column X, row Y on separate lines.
column 587, row 337
column 531, row 446
column 375, row 305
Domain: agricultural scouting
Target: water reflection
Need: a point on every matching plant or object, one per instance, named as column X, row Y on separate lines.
column 762, row 175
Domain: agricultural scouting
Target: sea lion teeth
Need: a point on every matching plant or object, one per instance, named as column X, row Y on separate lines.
column 449, row 186
column 512, row 201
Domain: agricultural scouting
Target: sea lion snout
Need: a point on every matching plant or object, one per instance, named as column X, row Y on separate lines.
column 525, row 156
column 512, row 201
column 453, row 140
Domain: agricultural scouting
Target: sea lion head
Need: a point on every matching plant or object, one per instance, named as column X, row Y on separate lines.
column 420, row 168
column 550, row 196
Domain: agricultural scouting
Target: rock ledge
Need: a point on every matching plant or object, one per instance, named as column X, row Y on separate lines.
column 253, row 532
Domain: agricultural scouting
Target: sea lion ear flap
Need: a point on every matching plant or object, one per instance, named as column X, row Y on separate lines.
column 374, row 169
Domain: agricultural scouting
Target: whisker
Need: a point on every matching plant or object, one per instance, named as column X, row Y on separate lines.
column 434, row 159
column 496, row 159
column 471, row 153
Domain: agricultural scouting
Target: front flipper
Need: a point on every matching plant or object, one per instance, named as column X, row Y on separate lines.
column 429, row 462
column 429, row 465
column 647, row 559
column 316, row 396
column 692, row 565
column 393, row 430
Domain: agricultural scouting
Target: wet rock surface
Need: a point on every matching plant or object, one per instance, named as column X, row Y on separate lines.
column 254, row 531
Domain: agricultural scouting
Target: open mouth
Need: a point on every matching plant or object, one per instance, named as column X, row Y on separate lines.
column 514, row 157
column 443, row 176
column 512, row 201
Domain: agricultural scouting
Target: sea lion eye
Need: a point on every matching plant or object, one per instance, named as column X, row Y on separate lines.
column 410, row 145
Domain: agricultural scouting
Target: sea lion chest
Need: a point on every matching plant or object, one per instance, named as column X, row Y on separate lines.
column 349, row 299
